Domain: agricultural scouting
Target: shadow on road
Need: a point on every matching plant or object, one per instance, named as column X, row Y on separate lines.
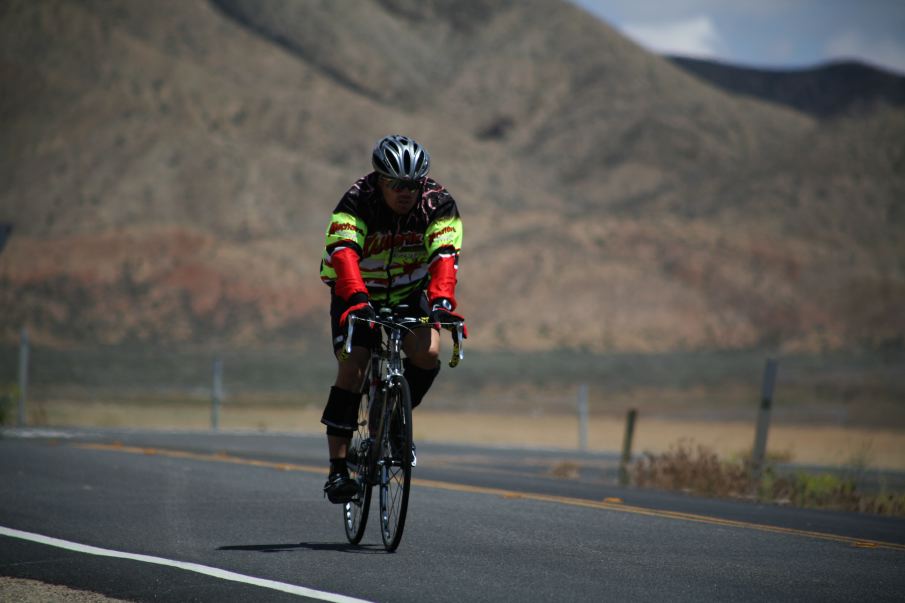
column 344, row 547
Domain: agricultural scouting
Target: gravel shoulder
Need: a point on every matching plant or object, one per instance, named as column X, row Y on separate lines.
column 31, row 591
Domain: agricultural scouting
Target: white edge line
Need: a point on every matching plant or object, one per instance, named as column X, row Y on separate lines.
column 191, row 567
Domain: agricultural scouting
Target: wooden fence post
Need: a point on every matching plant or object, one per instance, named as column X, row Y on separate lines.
column 23, row 376
column 583, row 417
column 216, row 393
column 763, row 421
column 627, row 446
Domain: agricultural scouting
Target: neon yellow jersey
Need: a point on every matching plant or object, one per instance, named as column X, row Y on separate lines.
column 395, row 252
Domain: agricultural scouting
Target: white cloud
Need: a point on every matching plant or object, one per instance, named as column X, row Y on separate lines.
column 775, row 33
column 881, row 51
column 697, row 36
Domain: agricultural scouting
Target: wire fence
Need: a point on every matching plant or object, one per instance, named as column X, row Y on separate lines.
column 837, row 389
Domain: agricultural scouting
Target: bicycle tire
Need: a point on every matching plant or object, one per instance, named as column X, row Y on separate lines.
column 355, row 512
column 395, row 469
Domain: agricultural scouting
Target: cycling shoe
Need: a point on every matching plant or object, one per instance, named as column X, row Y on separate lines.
column 340, row 488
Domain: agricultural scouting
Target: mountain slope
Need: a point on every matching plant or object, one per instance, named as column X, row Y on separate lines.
column 173, row 165
column 831, row 90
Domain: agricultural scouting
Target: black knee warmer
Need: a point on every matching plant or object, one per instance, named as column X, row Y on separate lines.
column 419, row 380
column 341, row 413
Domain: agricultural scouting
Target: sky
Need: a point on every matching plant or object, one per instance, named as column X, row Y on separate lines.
column 783, row 34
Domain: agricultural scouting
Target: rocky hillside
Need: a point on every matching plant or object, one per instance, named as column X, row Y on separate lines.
column 172, row 166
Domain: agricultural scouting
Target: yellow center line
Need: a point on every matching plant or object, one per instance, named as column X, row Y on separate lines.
column 223, row 457
column 218, row 457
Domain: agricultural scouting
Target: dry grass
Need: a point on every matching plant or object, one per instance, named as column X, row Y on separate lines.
column 692, row 469
column 823, row 445
column 566, row 470
column 697, row 469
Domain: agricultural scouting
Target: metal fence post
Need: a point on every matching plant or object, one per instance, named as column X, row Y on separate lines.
column 627, row 446
column 583, row 417
column 23, row 375
column 216, row 393
column 763, row 421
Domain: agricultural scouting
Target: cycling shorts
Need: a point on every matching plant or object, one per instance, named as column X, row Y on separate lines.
column 364, row 336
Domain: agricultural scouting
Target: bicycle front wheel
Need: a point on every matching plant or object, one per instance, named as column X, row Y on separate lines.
column 395, row 463
column 355, row 512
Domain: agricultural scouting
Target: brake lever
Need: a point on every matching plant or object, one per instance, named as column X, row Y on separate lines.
column 347, row 346
column 458, row 348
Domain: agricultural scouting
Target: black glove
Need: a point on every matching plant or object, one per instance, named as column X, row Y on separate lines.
column 361, row 311
column 441, row 312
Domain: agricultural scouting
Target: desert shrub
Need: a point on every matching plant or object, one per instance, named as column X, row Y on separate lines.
column 8, row 395
column 692, row 468
column 697, row 469
column 883, row 504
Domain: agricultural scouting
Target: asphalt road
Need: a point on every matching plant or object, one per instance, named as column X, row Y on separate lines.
column 484, row 525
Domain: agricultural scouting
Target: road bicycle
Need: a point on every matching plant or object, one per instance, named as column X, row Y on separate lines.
column 380, row 453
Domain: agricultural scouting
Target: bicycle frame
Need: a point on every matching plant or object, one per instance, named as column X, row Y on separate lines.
column 384, row 368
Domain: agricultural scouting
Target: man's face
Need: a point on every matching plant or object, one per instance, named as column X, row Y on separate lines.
column 400, row 196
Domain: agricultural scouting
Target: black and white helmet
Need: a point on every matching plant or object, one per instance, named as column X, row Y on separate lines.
column 400, row 158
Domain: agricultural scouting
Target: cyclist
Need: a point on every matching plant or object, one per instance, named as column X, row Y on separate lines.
column 393, row 239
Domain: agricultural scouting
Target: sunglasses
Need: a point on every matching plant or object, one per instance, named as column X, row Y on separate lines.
column 399, row 185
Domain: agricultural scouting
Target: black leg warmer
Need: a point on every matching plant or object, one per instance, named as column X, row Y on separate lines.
column 341, row 413
column 419, row 380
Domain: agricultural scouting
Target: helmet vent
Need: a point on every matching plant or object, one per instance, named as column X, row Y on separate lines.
column 407, row 162
column 391, row 162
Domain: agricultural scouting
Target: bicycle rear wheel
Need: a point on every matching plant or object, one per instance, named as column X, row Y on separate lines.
column 395, row 463
column 355, row 512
